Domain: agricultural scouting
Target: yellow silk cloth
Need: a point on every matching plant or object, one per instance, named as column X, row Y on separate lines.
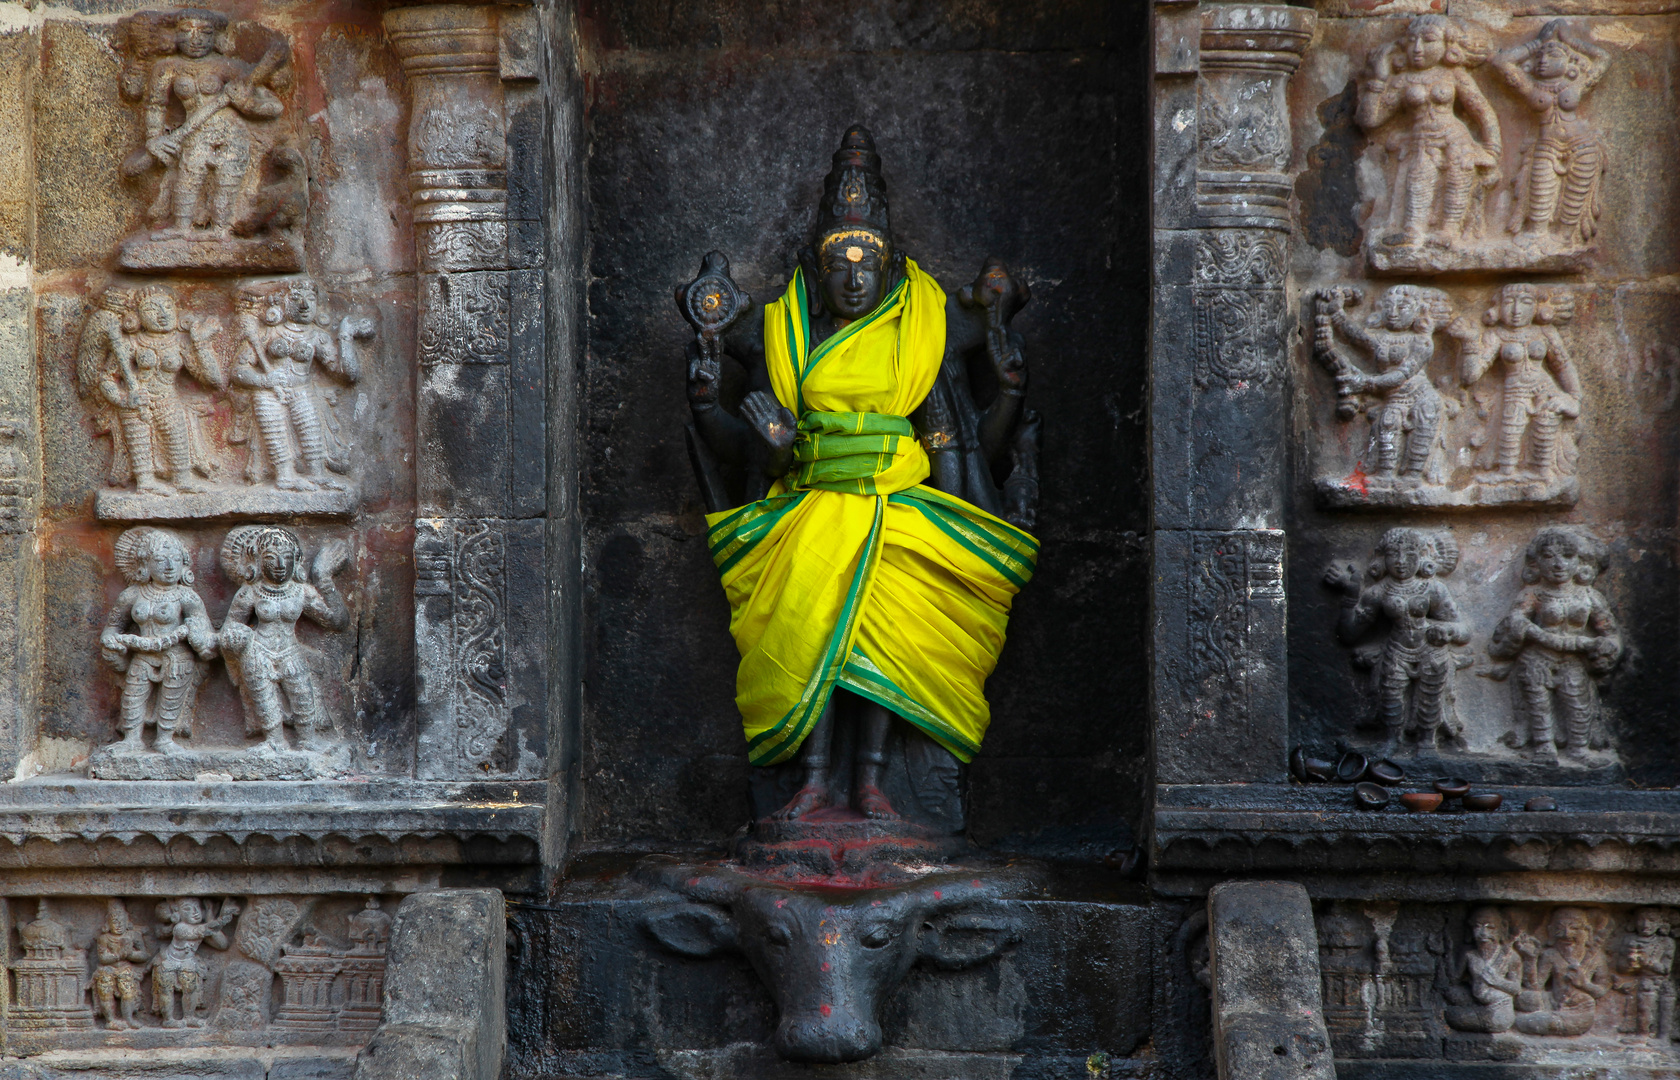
column 851, row 572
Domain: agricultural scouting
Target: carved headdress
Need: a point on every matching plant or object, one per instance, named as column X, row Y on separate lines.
column 854, row 195
column 242, row 551
column 137, row 545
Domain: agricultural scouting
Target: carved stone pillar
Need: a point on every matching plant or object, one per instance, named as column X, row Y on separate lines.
column 475, row 173
column 1218, row 375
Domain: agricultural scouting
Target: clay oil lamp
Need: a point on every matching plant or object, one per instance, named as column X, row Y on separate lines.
column 1351, row 767
column 1369, row 796
column 1421, row 802
column 1386, row 772
column 1541, row 802
column 1483, row 802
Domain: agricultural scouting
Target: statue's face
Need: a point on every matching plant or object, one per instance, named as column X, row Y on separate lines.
column 852, row 275
column 277, row 563
column 157, row 314
column 165, row 565
column 195, row 37
column 1516, row 307
column 119, row 922
column 1648, row 923
column 1400, row 311
column 1554, row 61
column 1485, row 930
column 1570, row 929
column 300, row 307
column 1403, row 559
column 1426, row 48
column 1557, row 563
column 190, row 911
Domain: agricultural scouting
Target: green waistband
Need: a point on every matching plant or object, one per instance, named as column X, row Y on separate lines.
column 843, row 451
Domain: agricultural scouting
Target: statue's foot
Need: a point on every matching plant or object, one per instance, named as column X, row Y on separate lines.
column 192, row 1021
column 871, row 803
column 274, row 744
column 174, row 1023
column 165, row 744
column 295, row 483
column 130, row 743
column 810, row 799
column 153, row 486
column 191, row 485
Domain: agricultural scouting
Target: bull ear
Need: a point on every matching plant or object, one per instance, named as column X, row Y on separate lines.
column 692, row 929
column 968, row 936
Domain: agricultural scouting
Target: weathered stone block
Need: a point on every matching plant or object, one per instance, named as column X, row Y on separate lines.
column 1267, row 1021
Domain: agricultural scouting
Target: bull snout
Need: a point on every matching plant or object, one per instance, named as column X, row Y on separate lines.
column 832, row 1039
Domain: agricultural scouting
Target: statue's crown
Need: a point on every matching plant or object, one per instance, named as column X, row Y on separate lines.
column 854, row 195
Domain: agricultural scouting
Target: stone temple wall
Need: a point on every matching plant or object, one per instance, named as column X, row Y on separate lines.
column 350, row 549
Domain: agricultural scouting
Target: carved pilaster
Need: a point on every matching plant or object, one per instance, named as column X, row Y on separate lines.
column 1248, row 52
column 1219, row 408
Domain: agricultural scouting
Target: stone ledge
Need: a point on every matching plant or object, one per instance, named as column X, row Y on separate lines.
column 309, row 819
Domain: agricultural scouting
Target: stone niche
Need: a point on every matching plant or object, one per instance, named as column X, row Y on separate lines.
column 276, row 658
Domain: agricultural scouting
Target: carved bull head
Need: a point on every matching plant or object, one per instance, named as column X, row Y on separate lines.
column 831, row 956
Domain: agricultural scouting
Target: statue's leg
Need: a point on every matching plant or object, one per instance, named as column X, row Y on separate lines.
column 1544, row 185
column 177, row 443
column 277, row 437
column 1542, row 441
column 137, row 434
column 306, row 706
column 1455, row 201
column 1428, row 696
column 1395, row 679
column 871, row 759
column 1537, row 698
column 265, row 699
column 1513, row 422
column 192, row 999
column 1426, row 421
column 312, row 447
column 231, row 163
column 1586, row 160
column 128, row 993
column 813, row 758
column 1575, row 703
column 189, row 184
column 178, row 675
column 136, row 695
column 1420, row 197
column 1389, row 421
column 104, row 994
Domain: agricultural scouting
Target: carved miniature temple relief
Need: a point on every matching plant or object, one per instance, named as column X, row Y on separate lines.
column 1419, row 631
column 1464, row 191
column 1492, row 981
column 183, row 398
column 231, row 188
column 1496, row 428
column 120, row 971
column 159, row 639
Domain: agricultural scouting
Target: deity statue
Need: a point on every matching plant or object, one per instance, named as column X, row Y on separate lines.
column 1425, row 78
column 1646, row 959
column 1412, row 669
column 282, row 344
column 1541, row 387
column 1558, row 186
column 161, row 671
column 215, row 154
column 1406, row 410
column 117, row 949
column 132, row 347
column 177, row 968
column 843, row 568
column 266, row 661
column 1558, row 640
column 1571, row 966
column 1493, row 968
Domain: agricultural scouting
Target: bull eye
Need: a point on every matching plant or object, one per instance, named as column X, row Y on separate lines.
column 876, row 936
column 777, row 935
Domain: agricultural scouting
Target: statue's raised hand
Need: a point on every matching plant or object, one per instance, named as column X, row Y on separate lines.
column 330, row 561
column 704, row 374
column 1342, row 578
column 774, row 422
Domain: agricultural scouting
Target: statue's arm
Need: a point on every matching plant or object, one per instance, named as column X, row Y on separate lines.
column 322, row 600
column 729, row 437
column 1562, row 367
column 936, row 425
column 1380, row 96
column 200, row 634
column 1001, row 415
column 116, row 620
column 1445, row 613
column 201, row 360
column 1509, row 62
column 1476, row 105
column 157, row 101
column 1359, row 614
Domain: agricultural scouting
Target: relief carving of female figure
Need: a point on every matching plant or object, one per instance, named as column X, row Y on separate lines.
column 1412, row 670
column 177, row 968
column 1424, row 77
column 1559, row 639
column 1541, row 387
column 161, row 671
column 845, row 569
column 1557, row 188
column 266, row 660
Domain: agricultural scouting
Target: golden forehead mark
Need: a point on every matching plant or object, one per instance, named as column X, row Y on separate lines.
column 854, row 254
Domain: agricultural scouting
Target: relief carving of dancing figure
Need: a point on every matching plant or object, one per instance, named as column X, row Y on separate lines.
column 282, row 343
column 164, row 660
column 266, row 660
column 1541, row 388
column 1412, row 669
column 1645, row 960
column 1406, row 410
column 1557, row 189
column 1556, row 643
column 1493, row 970
column 177, row 969
column 211, row 125
column 1424, row 79
column 132, row 347
column 120, row 953
column 1563, row 980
